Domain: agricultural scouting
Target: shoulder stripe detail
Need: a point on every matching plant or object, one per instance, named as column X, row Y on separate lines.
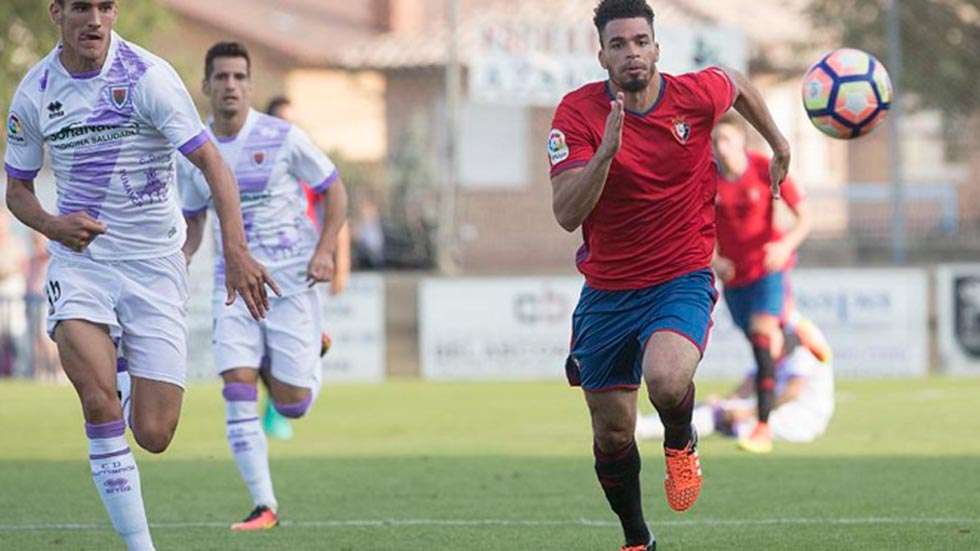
column 195, row 143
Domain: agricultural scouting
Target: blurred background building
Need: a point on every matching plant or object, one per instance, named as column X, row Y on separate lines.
column 437, row 112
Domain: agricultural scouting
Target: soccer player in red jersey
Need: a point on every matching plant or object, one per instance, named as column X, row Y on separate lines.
column 631, row 164
column 753, row 260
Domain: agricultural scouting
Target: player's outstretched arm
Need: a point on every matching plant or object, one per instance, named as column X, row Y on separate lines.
column 322, row 266
column 575, row 192
column 75, row 230
column 243, row 275
column 750, row 104
column 195, row 234
column 779, row 252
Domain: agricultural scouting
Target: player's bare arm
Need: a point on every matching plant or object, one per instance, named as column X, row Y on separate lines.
column 244, row 275
column 750, row 104
column 342, row 262
column 779, row 252
column 576, row 191
column 322, row 266
column 723, row 267
column 195, row 234
column 75, row 230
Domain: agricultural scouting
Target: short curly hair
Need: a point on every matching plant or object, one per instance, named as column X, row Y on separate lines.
column 608, row 10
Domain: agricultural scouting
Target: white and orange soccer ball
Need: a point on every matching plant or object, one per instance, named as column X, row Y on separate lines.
column 847, row 93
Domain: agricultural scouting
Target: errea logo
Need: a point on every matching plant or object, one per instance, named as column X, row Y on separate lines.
column 56, row 109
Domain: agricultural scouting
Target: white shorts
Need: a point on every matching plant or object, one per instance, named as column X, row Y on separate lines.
column 290, row 335
column 142, row 302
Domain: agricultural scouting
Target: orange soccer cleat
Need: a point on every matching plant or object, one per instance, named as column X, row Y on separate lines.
column 760, row 441
column 683, row 481
column 261, row 518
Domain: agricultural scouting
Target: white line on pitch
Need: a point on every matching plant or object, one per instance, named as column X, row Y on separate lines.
column 381, row 523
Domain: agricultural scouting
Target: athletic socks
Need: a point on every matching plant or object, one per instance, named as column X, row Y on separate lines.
column 118, row 482
column 248, row 443
column 619, row 476
column 765, row 376
column 677, row 421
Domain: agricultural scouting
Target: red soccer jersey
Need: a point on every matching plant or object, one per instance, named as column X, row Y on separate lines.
column 746, row 219
column 655, row 219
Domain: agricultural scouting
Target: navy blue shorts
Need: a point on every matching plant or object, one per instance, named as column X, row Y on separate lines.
column 766, row 295
column 610, row 328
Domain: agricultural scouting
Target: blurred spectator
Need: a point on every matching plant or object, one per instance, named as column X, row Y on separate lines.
column 44, row 353
column 368, row 235
column 12, row 288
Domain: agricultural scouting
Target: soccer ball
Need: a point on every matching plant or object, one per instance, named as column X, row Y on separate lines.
column 847, row 93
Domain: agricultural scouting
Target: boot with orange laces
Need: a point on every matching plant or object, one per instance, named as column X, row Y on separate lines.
column 683, row 481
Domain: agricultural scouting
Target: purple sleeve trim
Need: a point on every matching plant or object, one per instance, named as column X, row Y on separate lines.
column 26, row 175
column 195, row 143
column 325, row 184
column 194, row 213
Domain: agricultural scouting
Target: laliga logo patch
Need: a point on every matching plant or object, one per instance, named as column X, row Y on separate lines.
column 13, row 125
column 557, row 146
column 681, row 130
column 119, row 96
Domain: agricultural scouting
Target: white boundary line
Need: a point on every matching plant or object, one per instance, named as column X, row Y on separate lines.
column 388, row 523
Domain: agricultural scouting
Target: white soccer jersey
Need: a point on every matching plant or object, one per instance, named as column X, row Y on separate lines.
column 112, row 137
column 817, row 395
column 270, row 157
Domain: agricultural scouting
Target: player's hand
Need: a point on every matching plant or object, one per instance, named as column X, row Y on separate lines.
column 612, row 137
column 76, row 230
column 724, row 268
column 320, row 269
column 246, row 277
column 777, row 255
column 778, row 169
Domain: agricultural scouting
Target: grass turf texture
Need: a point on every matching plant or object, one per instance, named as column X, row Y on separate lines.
column 412, row 465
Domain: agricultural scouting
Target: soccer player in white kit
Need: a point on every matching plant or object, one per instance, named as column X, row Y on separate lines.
column 270, row 158
column 112, row 117
column 803, row 407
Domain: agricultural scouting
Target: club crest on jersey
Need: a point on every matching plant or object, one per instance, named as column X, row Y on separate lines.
column 119, row 96
column 681, row 130
column 258, row 158
column 557, row 146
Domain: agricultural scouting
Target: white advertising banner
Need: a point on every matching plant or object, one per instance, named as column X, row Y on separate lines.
column 355, row 321
column 526, row 63
column 519, row 328
column 876, row 321
column 496, row 328
column 958, row 312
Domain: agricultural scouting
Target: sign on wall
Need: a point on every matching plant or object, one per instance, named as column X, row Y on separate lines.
column 958, row 311
column 876, row 321
column 519, row 328
column 530, row 63
column 496, row 328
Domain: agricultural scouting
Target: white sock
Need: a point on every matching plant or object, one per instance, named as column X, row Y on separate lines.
column 248, row 444
column 124, row 385
column 117, row 480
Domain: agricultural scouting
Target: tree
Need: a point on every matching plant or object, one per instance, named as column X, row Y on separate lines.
column 27, row 34
column 940, row 41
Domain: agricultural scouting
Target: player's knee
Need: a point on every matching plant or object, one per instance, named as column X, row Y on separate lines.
column 613, row 439
column 294, row 410
column 100, row 405
column 666, row 390
column 155, row 437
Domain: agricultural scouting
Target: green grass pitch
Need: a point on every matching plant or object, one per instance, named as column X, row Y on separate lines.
column 423, row 466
